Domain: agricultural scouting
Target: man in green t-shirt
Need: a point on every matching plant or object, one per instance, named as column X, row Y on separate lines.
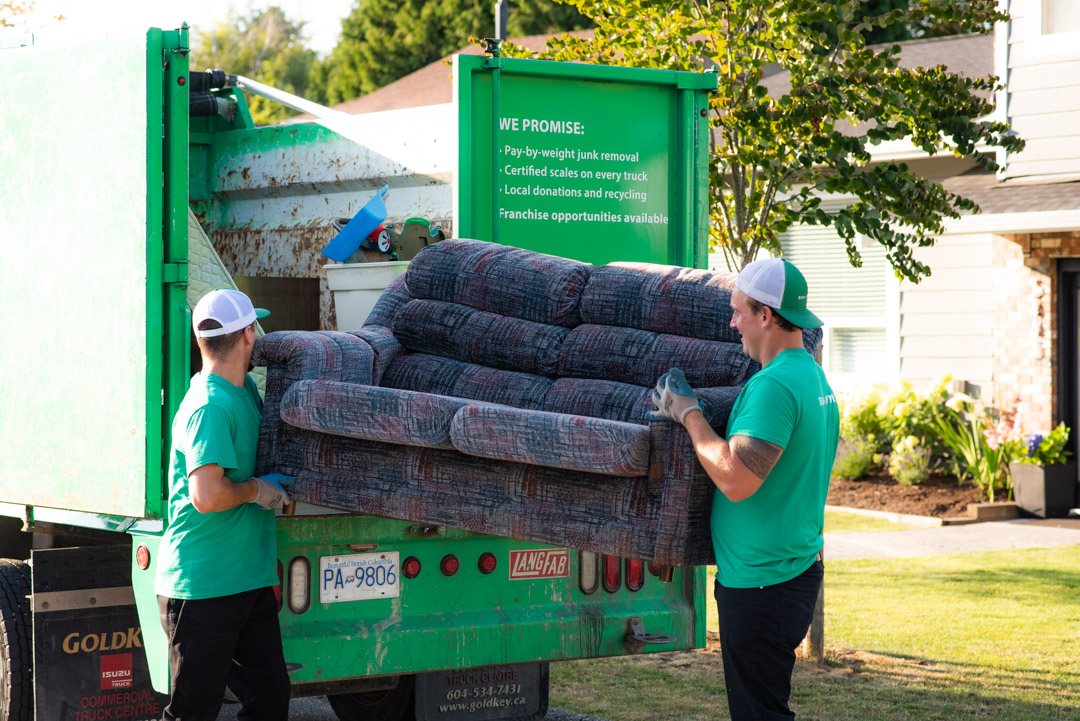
column 217, row 562
column 772, row 472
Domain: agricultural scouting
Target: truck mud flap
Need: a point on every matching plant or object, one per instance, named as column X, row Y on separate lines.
column 493, row 693
column 89, row 663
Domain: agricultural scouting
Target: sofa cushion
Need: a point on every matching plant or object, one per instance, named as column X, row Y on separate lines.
column 662, row 299
column 452, row 330
column 637, row 356
column 371, row 413
column 558, row 440
column 615, row 401
column 445, row 376
column 500, row 279
column 630, row 403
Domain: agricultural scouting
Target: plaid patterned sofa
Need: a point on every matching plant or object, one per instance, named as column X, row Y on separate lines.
column 504, row 391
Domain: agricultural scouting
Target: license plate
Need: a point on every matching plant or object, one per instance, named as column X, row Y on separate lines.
column 359, row 577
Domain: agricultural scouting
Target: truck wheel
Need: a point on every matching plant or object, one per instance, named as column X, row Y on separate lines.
column 395, row 704
column 16, row 646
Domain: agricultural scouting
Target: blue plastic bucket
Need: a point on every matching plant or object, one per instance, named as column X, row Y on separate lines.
column 356, row 230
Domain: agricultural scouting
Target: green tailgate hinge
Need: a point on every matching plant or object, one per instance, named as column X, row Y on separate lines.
column 176, row 273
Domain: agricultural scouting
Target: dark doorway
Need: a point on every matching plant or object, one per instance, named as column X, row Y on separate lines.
column 1068, row 339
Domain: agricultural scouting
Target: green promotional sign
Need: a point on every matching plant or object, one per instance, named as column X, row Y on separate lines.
column 588, row 162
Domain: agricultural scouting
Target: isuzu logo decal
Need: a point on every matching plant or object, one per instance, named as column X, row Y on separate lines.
column 116, row 671
column 539, row 563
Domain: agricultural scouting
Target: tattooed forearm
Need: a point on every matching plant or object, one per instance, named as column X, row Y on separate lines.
column 757, row 455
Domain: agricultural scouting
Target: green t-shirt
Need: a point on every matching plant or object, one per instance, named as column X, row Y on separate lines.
column 208, row 555
column 775, row 534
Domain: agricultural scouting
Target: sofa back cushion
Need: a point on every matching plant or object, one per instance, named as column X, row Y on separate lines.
column 449, row 377
column 452, row 330
column 631, row 355
column 600, row 399
column 500, row 279
column 662, row 299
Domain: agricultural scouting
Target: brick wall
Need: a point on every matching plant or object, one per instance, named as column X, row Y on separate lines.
column 1025, row 318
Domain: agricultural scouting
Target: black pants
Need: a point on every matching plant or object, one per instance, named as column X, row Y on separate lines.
column 760, row 628
column 232, row 639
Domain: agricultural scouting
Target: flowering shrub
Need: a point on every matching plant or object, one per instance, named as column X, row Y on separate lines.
column 913, row 434
column 855, row 457
column 881, row 423
column 982, row 442
column 909, row 462
column 1045, row 450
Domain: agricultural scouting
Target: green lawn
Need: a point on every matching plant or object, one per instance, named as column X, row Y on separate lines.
column 841, row 522
column 990, row 636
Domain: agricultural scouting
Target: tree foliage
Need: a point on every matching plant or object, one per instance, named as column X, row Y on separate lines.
column 10, row 9
column 383, row 40
column 15, row 13
column 926, row 27
column 774, row 153
column 265, row 46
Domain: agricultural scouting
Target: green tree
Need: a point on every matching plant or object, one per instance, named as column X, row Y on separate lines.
column 264, row 46
column 929, row 27
column 383, row 40
column 774, row 154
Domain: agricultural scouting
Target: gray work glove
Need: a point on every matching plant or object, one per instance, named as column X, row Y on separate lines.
column 271, row 493
column 673, row 397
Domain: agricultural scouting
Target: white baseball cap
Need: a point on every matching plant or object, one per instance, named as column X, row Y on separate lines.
column 231, row 308
column 778, row 284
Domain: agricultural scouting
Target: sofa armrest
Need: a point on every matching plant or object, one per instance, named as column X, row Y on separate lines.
column 558, row 440
column 329, row 355
column 371, row 413
column 290, row 356
column 677, row 475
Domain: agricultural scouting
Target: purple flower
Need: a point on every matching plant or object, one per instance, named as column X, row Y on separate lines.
column 1033, row 442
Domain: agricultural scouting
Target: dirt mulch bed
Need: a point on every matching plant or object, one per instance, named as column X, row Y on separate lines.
column 939, row 496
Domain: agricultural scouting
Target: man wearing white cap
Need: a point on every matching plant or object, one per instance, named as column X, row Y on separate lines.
column 772, row 472
column 217, row 563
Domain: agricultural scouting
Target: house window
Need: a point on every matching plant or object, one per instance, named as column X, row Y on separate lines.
column 852, row 351
column 1053, row 27
column 861, row 343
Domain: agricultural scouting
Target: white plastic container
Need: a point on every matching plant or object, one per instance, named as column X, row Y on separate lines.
column 356, row 286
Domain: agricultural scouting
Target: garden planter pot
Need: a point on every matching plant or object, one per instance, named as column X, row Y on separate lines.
column 1044, row 491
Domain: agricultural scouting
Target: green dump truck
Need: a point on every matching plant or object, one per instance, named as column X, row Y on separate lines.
column 129, row 185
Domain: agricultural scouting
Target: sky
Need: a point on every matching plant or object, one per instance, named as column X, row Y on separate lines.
column 87, row 19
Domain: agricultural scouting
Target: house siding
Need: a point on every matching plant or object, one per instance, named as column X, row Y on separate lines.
column 1043, row 104
column 946, row 320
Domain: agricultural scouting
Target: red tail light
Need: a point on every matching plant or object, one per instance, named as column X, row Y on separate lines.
column 635, row 574
column 655, row 568
column 449, row 565
column 142, row 556
column 411, row 567
column 487, row 563
column 612, row 573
